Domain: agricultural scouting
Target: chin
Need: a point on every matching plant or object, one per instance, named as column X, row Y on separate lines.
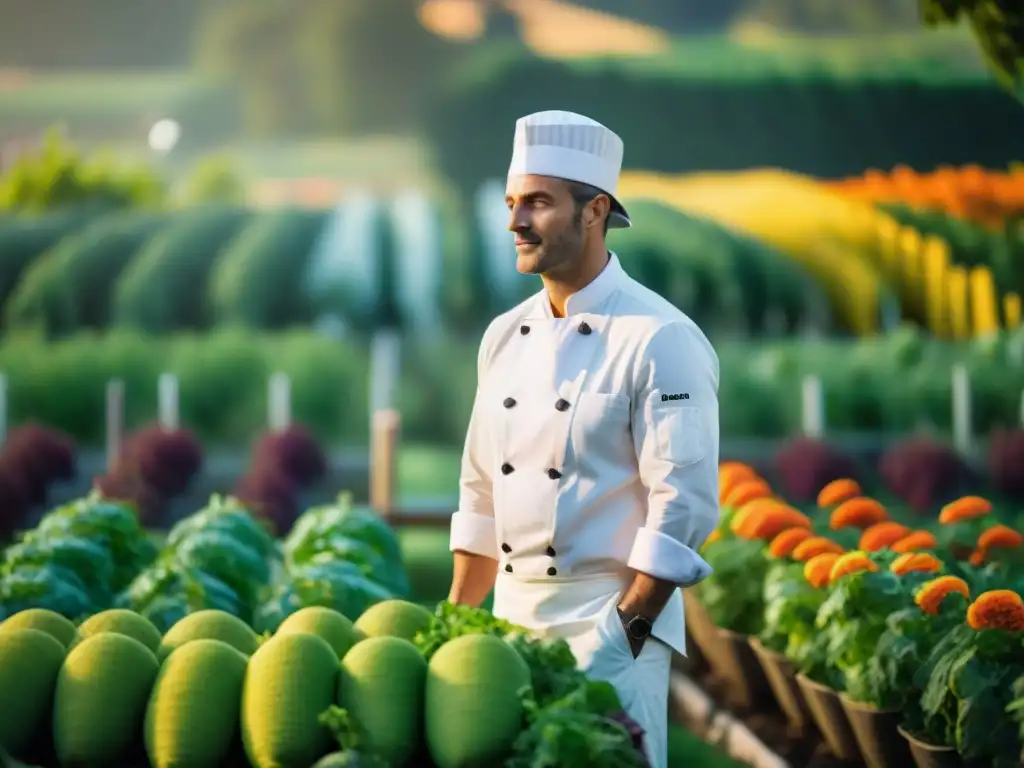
column 528, row 265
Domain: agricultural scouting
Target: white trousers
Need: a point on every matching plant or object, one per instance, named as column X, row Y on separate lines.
column 583, row 613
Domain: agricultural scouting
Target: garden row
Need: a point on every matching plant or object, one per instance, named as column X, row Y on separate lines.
column 892, row 384
column 228, row 647
column 369, row 262
column 152, row 468
column 993, row 199
column 899, row 640
column 734, row 262
column 876, row 266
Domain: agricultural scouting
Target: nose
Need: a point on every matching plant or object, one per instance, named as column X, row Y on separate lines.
column 518, row 221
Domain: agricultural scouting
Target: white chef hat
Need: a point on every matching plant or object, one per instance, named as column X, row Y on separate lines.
column 572, row 147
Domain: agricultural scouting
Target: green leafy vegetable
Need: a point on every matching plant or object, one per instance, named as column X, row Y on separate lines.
column 968, row 683
column 576, row 730
column 733, row 594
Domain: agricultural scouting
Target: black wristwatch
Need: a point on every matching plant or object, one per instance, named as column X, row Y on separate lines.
column 637, row 627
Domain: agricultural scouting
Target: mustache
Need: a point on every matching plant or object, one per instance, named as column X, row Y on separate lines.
column 527, row 236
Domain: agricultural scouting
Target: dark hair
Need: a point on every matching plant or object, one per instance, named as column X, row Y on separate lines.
column 583, row 194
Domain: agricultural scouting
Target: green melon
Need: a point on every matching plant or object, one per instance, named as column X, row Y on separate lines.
column 325, row 623
column 381, row 686
column 192, row 717
column 474, row 680
column 100, row 703
column 394, row 618
column 123, row 622
column 53, row 624
column 290, row 681
column 210, row 625
column 30, row 661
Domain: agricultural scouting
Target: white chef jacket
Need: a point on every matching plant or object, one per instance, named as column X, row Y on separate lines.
column 592, row 449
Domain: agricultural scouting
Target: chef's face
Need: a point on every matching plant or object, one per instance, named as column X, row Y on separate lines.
column 551, row 228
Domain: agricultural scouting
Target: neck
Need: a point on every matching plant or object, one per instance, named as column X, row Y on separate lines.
column 570, row 279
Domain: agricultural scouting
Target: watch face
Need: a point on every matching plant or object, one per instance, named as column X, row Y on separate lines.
column 639, row 627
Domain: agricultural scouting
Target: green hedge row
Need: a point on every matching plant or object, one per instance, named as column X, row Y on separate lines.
column 218, row 266
column 681, row 113
column 890, row 384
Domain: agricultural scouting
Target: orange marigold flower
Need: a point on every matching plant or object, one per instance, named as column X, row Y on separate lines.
column 751, row 509
column 915, row 561
column 999, row 536
column 882, row 535
column 814, row 546
column 858, row 512
column 772, row 521
column 964, row 508
column 838, row 491
column 931, row 594
column 915, row 541
column 997, row 609
column 977, row 558
column 731, row 473
column 747, row 490
column 818, row 569
column 850, row 563
column 784, row 544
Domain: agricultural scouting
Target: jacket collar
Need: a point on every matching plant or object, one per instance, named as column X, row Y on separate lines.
column 592, row 296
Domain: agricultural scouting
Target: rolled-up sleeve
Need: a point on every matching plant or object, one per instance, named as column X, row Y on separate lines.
column 675, row 430
column 473, row 524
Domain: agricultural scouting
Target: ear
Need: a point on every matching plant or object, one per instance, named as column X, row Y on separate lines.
column 599, row 209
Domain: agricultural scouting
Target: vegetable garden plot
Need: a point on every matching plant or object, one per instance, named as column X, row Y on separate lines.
column 228, row 647
column 899, row 641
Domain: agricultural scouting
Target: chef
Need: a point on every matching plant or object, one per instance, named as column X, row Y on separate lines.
column 590, row 473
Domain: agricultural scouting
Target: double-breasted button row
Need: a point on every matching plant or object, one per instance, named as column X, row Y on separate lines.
column 582, row 328
column 508, row 469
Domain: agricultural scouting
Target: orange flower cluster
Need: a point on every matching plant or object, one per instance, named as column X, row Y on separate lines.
column 964, row 508
column 784, row 544
column 969, row 192
column 923, row 562
column 837, row 492
column 818, row 570
column 997, row 609
column 931, row 594
column 747, row 490
column 766, row 518
column 731, row 474
column 915, row 541
column 859, row 512
column 997, row 537
column 882, row 536
column 851, row 563
column 814, row 546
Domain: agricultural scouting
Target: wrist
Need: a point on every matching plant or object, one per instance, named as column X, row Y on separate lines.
column 637, row 626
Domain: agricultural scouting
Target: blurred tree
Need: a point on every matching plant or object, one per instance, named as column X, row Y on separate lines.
column 998, row 26
column 370, row 63
column 831, row 17
column 352, row 67
column 57, row 176
column 252, row 43
column 676, row 16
